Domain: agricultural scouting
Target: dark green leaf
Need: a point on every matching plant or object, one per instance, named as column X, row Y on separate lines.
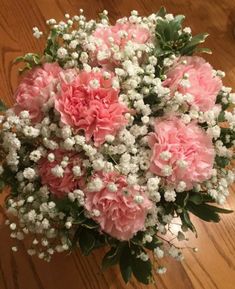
column 25, row 68
column 142, row 270
column 182, row 199
column 2, row 185
column 2, row 106
column 125, row 263
column 221, row 117
column 197, row 199
column 186, row 221
column 218, row 210
column 86, row 241
column 221, row 161
column 18, row 59
column 75, row 238
column 52, row 45
column 90, row 224
column 154, row 244
column 195, row 41
column 30, row 60
column 111, row 257
column 207, row 198
column 161, row 12
column 204, row 212
column 225, row 132
column 203, row 50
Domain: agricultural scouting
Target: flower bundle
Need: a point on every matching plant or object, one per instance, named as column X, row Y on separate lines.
column 116, row 131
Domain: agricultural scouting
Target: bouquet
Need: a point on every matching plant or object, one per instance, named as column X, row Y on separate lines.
column 117, row 132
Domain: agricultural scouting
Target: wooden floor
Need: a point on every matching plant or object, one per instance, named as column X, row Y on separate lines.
column 213, row 267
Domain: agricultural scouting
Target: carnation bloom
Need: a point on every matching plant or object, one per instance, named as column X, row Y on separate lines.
column 89, row 103
column 186, row 149
column 36, row 88
column 200, row 81
column 119, row 214
column 118, row 35
column 68, row 182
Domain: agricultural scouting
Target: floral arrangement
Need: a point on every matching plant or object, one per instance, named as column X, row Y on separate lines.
column 117, row 132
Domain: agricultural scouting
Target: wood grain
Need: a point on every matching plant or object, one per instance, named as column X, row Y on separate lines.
column 213, row 267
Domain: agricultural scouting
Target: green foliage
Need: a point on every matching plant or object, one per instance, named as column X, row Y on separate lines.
column 186, row 222
column 7, row 178
column 196, row 199
column 222, row 162
column 86, row 240
column 111, row 257
column 223, row 137
column 154, row 244
column 125, row 263
column 197, row 204
column 161, row 12
column 219, row 98
column 52, row 46
column 221, row 116
column 2, row 106
column 142, row 270
column 2, row 185
column 171, row 39
column 130, row 262
column 127, row 255
column 207, row 212
column 191, row 46
column 30, row 60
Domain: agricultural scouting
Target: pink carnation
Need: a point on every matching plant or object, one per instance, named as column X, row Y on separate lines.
column 95, row 109
column 121, row 33
column 36, row 89
column 119, row 214
column 60, row 186
column 191, row 151
column 203, row 85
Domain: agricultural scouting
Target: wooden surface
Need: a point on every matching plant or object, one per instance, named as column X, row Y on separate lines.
column 213, row 267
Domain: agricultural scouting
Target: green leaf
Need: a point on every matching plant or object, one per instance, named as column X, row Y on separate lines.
column 168, row 30
column 25, row 68
column 176, row 24
column 197, row 199
column 154, row 244
column 90, row 224
column 111, row 257
column 161, row 12
column 32, row 59
column 52, row 45
column 182, row 199
column 142, row 270
column 221, row 161
column 125, row 263
column 218, row 210
column 221, row 117
column 75, row 238
column 2, row 185
column 203, row 50
column 18, row 59
column 195, row 41
column 86, row 241
column 185, row 218
column 204, row 212
column 207, row 198
column 2, row 106
column 225, row 131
